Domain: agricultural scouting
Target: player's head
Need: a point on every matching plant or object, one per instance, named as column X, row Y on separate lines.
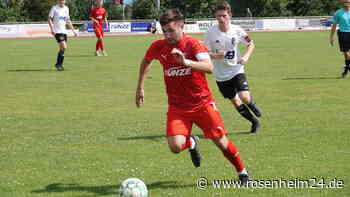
column 98, row 3
column 172, row 22
column 61, row 2
column 223, row 13
column 346, row 3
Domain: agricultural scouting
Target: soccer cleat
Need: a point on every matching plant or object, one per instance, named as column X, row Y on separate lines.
column 255, row 109
column 255, row 126
column 104, row 53
column 195, row 155
column 59, row 67
column 98, row 53
column 244, row 178
column 345, row 72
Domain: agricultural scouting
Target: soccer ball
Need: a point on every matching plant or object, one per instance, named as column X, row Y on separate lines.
column 133, row 187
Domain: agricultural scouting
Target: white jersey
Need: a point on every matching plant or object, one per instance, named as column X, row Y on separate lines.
column 228, row 42
column 60, row 16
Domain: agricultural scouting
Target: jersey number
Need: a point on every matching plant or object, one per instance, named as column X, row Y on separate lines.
column 230, row 55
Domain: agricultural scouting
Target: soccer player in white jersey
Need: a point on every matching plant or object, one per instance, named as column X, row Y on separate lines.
column 58, row 18
column 223, row 42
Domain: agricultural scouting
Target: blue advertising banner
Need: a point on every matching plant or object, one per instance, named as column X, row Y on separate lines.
column 141, row 26
column 90, row 28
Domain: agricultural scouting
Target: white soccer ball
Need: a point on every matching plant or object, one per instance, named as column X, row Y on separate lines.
column 133, row 187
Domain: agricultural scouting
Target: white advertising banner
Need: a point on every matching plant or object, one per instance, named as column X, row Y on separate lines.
column 36, row 30
column 203, row 26
column 191, row 28
column 120, row 27
column 279, row 24
column 9, row 30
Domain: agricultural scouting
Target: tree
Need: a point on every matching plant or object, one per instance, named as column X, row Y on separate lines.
column 37, row 10
column 144, row 9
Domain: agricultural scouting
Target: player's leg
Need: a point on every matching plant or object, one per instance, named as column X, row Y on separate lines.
column 344, row 45
column 241, row 84
column 98, row 34
column 179, row 136
column 209, row 120
column 62, row 46
column 102, row 44
column 245, row 112
column 347, row 64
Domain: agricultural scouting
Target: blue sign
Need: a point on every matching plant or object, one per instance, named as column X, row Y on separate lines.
column 89, row 27
column 141, row 26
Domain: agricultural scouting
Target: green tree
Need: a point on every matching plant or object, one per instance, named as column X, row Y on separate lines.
column 144, row 9
column 37, row 10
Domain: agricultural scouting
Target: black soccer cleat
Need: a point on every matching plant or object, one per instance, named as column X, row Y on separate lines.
column 59, row 67
column 244, row 178
column 195, row 155
column 345, row 72
column 255, row 126
column 255, row 109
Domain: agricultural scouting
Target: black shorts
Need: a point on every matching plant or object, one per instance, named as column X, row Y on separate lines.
column 230, row 88
column 61, row 37
column 344, row 41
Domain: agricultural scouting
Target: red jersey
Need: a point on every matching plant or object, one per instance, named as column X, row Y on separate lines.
column 99, row 14
column 187, row 88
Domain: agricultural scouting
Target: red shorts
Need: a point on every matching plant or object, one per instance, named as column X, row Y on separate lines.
column 207, row 118
column 98, row 28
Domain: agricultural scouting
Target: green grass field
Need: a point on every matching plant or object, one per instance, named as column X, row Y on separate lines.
column 78, row 133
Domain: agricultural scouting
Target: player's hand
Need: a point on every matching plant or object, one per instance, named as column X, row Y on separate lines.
column 140, row 97
column 53, row 33
column 331, row 41
column 179, row 56
column 243, row 60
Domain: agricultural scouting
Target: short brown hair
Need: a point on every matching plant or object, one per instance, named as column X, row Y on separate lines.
column 170, row 16
column 223, row 5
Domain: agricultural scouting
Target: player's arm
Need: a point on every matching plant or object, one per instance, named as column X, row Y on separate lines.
column 145, row 67
column 94, row 20
column 203, row 64
column 51, row 25
column 333, row 30
column 249, row 51
column 50, row 20
column 70, row 25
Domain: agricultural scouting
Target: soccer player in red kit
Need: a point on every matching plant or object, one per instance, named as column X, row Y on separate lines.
column 98, row 15
column 185, row 61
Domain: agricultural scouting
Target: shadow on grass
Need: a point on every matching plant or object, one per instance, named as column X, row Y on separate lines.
column 105, row 189
column 31, row 70
column 92, row 55
column 158, row 137
column 310, row 78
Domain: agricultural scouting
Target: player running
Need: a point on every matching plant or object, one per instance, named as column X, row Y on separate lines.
column 185, row 61
column 342, row 18
column 58, row 18
column 223, row 42
column 98, row 15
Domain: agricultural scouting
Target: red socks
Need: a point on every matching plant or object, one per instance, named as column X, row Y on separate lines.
column 99, row 45
column 233, row 156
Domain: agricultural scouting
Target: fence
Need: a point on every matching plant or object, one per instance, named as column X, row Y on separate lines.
column 191, row 26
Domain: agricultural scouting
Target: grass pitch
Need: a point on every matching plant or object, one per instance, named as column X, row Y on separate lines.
column 78, row 133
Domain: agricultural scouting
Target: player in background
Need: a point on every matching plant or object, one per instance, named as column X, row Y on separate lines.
column 58, row 18
column 223, row 42
column 98, row 15
column 342, row 18
column 185, row 60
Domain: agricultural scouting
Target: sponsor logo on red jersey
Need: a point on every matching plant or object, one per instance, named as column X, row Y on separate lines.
column 178, row 71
